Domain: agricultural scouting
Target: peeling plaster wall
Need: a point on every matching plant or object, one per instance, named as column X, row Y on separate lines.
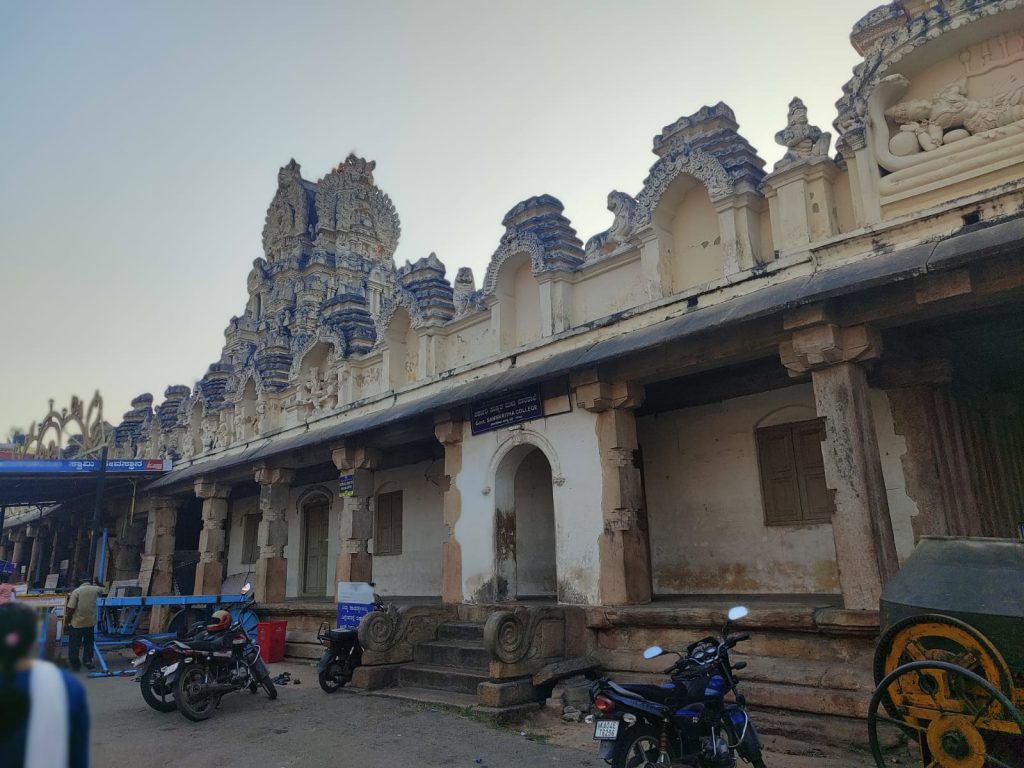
column 705, row 505
column 417, row 571
column 570, row 444
column 293, row 550
column 606, row 293
column 237, row 511
column 697, row 254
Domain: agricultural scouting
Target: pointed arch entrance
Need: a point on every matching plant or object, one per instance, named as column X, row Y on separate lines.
column 525, row 552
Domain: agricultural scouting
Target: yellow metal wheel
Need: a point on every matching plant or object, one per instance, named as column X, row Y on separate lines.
column 955, row 742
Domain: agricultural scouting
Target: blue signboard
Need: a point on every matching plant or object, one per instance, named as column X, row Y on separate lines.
column 7, row 567
column 512, row 408
column 77, row 466
column 350, row 614
column 346, row 486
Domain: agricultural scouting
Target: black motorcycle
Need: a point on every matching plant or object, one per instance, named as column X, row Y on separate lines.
column 154, row 657
column 211, row 668
column 684, row 722
column 342, row 653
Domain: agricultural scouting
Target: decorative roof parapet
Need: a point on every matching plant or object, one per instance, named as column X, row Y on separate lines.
column 464, row 293
column 167, row 411
column 426, row 282
column 801, row 139
column 885, row 36
column 291, row 217
column 353, row 214
column 537, row 227
column 212, row 386
column 348, row 316
column 134, row 426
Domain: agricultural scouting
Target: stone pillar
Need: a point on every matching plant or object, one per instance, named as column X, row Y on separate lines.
column 355, row 563
column 54, row 562
column 449, row 432
column 130, row 543
column 18, row 551
column 861, row 525
column 37, row 541
column 624, row 546
column 81, row 550
column 210, row 569
column 271, row 564
column 156, row 574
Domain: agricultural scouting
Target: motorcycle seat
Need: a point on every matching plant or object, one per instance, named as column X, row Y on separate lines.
column 206, row 645
column 653, row 693
column 341, row 634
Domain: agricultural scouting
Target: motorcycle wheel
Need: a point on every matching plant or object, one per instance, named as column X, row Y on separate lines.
column 157, row 693
column 263, row 675
column 191, row 704
column 333, row 678
column 637, row 747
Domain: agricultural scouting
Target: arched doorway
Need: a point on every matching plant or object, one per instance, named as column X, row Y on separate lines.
column 315, row 523
column 525, row 526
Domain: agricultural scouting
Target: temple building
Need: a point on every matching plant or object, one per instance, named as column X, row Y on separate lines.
column 763, row 383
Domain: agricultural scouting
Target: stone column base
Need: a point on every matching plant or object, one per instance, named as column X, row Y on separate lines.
column 271, row 575
column 625, row 567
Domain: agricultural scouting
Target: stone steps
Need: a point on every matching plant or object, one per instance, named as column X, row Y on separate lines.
column 461, row 630
column 452, row 653
column 431, row 696
column 441, row 678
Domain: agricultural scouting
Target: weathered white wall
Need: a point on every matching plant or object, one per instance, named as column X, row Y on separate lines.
column 602, row 293
column 705, row 503
column 535, row 572
column 417, row 571
column 237, row 511
column 569, row 442
column 697, row 255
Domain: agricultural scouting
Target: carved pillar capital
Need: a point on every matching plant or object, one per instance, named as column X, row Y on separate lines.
column 208, row 489
column 269, row 475
column 448, row 430
column 825, row 344
column 349, row 457
column 595, row 393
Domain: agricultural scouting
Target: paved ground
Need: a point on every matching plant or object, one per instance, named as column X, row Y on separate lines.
column 304, row 727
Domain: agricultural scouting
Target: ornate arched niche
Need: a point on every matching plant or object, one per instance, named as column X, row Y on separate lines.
column 246, row 417
column 689, row 223
column 317, row 380
column 403, row 349
column 516, row 313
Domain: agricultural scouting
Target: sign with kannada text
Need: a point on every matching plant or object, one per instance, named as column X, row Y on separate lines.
column 512, row 408
column 75, row 466
column 346, row 486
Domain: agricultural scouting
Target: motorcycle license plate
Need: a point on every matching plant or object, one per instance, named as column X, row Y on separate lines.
column 606, row 729
column 139, row 661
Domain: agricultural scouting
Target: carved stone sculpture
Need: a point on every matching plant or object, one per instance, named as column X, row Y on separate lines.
column 800, row 138
column 950, row 116
column 465, row 294
column 623, row 207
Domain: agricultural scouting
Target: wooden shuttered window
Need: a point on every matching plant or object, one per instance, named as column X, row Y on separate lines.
column 387, row 533
column 250, row 528
column 793, row 474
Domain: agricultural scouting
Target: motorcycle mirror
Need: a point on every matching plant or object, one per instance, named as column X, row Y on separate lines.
column 738, row 612
column 653, row 652
column 247, row 588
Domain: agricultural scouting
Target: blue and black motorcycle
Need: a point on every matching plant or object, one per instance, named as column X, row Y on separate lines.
column 687, row 721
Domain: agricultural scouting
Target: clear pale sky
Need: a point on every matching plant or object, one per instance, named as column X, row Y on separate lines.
column 140, row 144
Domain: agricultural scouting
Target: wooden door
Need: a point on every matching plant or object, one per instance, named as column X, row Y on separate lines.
column 314, row 576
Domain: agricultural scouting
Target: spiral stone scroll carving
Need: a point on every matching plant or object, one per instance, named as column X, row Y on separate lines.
column 380, row 630
column 510, row 637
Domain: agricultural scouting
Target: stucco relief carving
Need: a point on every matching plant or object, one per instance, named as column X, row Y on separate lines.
column 623, row 208
column 465, row 295
column 924, row 125
column 702, row 166
column 288, row 215
column 318, row 391
column 512, row 244
column 399, row 298
column 892, row 44
column 801, row 139
column 353, row 214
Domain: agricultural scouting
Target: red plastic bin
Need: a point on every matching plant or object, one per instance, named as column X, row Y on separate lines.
column 270, row 637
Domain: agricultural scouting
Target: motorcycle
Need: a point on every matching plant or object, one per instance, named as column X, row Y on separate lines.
column 342, row 655
column 684, row 722
column 157, row 657
column 211, row 669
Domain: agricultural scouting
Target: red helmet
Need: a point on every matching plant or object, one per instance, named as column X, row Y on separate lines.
column 219, row 621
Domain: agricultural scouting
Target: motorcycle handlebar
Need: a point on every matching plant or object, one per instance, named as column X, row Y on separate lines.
column 736, row 639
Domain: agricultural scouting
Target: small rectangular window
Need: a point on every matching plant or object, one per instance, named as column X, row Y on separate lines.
column 387, row 533
column 250, row 529
column 793, row 474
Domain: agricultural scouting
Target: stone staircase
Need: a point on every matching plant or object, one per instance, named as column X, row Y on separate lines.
column 446, row 671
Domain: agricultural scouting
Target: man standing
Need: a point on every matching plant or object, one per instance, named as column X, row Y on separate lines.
column 81, row 620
